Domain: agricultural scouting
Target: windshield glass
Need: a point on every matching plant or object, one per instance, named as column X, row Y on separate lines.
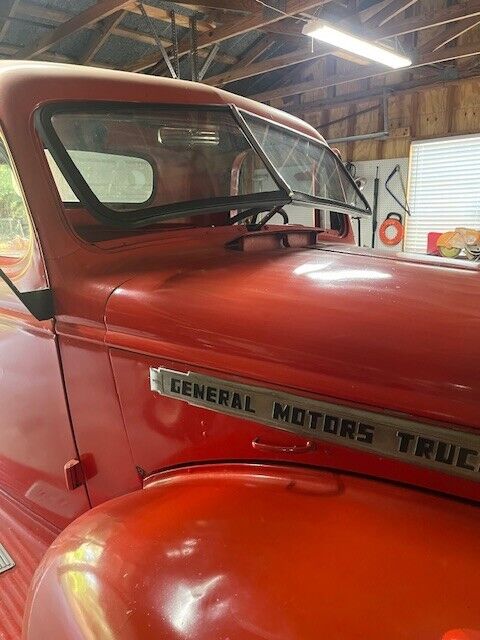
column 306, row 166
column 135, row 162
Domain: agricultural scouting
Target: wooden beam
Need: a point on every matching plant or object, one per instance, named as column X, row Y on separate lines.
column 442, row 55
column 244, row 6
column 365, row 14
column 263, row 44
column 50, row 14
column 11, row 8
column 271, row 64
column 450, row 33
column 88, row 17
column 256, row 20
column 164, row 16
column 295, row 58
column 393, row 29
column 99, row 37
column 286, row 37
column 12, row 51
column 393, row 9
column 139, row 36
column 366, row 97
column 452, row 13
column 286, row 27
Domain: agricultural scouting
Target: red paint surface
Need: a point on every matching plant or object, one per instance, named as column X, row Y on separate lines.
column 26, row 539
column 372, row 331
column 250, row 552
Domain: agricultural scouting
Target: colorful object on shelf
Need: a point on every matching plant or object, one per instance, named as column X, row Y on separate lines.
column 451, row 243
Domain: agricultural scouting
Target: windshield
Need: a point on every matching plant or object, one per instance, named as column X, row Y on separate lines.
column 132, row 163
column 308, row 167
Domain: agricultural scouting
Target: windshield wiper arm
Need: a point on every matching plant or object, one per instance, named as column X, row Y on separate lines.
column 254, row 211
column 248, row 213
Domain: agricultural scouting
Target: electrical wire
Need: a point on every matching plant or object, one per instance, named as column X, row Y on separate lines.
column 268, row 6
column 287, row 15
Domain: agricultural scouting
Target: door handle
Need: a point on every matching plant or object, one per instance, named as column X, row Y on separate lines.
column 278, row 448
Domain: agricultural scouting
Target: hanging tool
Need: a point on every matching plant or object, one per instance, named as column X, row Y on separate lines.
column 405, row 206
column 376, row 185
column 393, row 222
column 158, row 41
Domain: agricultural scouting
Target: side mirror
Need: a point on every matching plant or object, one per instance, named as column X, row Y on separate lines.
column 39, row 303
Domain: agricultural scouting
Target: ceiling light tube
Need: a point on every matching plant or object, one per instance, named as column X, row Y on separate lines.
column 322, row 31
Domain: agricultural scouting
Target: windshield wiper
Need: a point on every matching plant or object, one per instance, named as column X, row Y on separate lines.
column 253, row 213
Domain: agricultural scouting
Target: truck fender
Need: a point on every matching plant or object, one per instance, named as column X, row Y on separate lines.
column 261, row 552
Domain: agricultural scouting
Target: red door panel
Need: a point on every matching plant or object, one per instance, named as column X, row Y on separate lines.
column 35, row 434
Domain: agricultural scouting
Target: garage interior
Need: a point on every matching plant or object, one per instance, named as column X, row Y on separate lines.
column 238, row 388
column 411, row 135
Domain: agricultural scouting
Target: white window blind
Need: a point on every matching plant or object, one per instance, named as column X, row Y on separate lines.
column 444, row 188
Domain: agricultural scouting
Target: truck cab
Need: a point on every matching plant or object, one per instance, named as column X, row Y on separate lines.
column 219, row 417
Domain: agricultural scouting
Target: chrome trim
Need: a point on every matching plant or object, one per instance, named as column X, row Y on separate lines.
column 447, row 450
column 6, row 561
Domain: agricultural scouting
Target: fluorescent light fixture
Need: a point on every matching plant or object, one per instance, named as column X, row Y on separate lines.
column 322, row 31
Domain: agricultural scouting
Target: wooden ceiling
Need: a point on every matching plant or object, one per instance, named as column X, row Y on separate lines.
column 441, row 36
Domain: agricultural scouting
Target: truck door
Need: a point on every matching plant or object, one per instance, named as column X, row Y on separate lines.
column 36, row 439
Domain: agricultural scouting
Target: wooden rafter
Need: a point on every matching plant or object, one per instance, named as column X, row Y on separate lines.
column 287, row 27
column 390, row 11
column 49, row 14
column 366, row 97
column 392, row 28
column 228, row 5
column 10, row 51
column 451, row 32
column 435, row 57
column 103, row 9
column 400, row 26
column 256, row 20
column 99, row 37
column 53, row 15
column 164, row 16
column 10, row 10
column 271, row 64
column 365, row 14
column 263, row 44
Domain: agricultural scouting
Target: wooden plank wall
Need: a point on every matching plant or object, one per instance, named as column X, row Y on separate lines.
column 451, row 108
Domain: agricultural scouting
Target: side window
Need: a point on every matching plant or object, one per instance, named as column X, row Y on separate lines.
column 15, row 228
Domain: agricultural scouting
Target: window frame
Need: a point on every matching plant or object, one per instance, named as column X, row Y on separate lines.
column 135, row 218
column 412, row 193
column 18, row 266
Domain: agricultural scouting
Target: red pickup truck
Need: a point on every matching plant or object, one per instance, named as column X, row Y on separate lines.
column 219, row 418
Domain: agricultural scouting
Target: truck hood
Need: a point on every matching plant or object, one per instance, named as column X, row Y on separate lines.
column 390, row 333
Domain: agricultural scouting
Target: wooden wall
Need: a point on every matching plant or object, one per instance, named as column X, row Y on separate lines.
column 449, row 109
column 441, row 109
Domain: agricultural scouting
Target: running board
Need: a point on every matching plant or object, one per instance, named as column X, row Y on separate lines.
column 6, row 561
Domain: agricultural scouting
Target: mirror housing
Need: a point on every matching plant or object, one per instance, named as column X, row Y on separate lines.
column 39, row 303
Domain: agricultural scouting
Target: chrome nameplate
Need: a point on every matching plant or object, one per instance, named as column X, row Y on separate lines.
column 447, row 450
column 6, row 561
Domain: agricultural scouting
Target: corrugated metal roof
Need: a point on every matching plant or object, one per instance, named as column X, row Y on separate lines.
column 118, row 52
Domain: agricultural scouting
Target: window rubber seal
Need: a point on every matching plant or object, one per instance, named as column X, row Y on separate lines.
column 135, row 218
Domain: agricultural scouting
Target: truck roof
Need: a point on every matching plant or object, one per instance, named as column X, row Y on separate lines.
column 30, row 84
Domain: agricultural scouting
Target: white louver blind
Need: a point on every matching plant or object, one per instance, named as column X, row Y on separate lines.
column 444, row 188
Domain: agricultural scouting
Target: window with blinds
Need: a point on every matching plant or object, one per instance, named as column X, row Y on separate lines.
column 444, row 188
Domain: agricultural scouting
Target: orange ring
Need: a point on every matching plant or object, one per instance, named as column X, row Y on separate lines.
column 388, row 224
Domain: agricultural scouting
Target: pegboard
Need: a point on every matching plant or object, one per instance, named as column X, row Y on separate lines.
column 386, row 204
